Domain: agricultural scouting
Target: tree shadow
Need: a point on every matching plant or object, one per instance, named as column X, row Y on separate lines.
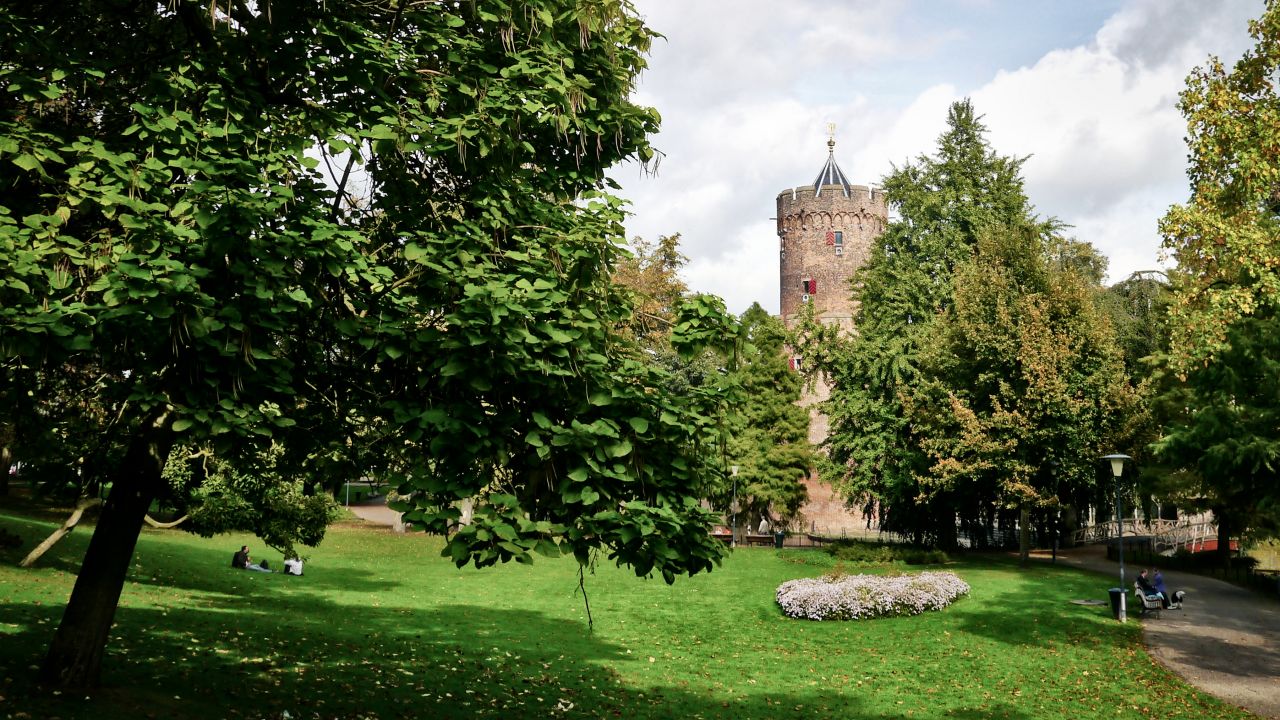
column 452, row 662
column 1038, row 609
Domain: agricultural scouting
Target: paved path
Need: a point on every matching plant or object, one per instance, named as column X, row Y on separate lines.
column 1225, row 640
column 375, row 511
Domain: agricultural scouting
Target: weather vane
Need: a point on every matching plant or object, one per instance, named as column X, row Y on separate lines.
column 831, row 136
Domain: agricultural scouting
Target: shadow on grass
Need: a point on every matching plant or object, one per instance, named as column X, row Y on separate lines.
column 263, row 644
column 451, row 662
column 257, row 652
column 1033, row 607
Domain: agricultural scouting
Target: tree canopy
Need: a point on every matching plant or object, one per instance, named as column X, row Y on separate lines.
column 1022, row 385
column 373, row 227
column 1220, row 392
column 769, row 431
column 943, row 202
column 982, row 376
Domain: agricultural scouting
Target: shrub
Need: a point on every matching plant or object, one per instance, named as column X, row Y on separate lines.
column 856, row 597
column 856, row 551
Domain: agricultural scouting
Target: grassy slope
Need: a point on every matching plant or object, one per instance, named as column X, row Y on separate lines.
column 382, row 627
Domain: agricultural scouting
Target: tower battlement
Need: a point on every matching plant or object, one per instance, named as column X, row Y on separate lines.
column 825, row 234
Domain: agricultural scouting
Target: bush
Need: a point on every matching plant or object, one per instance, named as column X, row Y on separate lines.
column 857, row 597
column 861, row 552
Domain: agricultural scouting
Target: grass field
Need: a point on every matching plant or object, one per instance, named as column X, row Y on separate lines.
column 382, row 627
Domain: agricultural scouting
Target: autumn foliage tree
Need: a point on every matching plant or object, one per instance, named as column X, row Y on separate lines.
column 1022, row 384
column 1221, row 398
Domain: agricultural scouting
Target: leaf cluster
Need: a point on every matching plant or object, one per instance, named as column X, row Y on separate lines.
column 365, row 232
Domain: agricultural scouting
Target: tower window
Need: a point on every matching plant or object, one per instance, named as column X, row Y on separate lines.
column 839, row 240
column 809, row 286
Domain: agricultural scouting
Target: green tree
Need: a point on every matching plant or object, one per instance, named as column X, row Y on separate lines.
column 1226, row 294
column 769, row 432
column 1139, row 306
column 354, row 227
column 1021, row 387
column 265, row 495
column 943, row 203
column 1222, row 439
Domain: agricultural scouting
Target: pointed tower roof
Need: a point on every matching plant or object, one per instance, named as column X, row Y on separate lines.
column 831, row 173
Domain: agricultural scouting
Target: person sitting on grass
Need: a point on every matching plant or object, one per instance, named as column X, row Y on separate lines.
column 293, row 566
column 242, row 561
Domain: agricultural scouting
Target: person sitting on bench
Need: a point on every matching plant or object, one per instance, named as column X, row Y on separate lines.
column 1145, row 585
column 1171, row 600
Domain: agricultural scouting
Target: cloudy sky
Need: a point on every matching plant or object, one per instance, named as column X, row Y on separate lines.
column 1086, row 88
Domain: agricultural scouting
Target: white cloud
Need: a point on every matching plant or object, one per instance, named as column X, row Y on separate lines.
column 746, row 89
column 1102, row 127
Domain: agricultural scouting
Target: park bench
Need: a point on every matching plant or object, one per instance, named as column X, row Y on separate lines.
column 755, row 539
column 1148, row 603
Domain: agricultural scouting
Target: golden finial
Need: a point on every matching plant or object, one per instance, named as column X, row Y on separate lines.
column 831, row 137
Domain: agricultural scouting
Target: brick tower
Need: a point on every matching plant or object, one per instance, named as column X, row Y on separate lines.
column 826, row 231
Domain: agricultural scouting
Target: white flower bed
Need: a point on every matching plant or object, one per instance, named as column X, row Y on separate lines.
column 855, row 597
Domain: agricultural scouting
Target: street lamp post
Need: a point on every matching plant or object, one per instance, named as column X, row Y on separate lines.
column 1117, row 469
column 733, row 535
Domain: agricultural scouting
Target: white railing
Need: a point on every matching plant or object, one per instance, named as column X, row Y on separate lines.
column 1166, row 535
column 1192, row 536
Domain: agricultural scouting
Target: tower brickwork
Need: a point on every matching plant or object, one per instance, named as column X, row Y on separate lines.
column 826, row 234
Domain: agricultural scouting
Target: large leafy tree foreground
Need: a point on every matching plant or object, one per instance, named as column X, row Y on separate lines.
column 347, row 227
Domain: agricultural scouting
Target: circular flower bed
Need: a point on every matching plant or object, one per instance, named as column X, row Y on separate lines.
column 854, row 597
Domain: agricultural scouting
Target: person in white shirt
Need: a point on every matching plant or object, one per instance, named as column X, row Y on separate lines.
column 293, row 566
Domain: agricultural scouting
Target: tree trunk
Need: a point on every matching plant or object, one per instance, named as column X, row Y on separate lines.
column 6, row 461
column 75, row 655
column 1224, row 541
column 67, row 526
column 946, row 528
column 1024, row 534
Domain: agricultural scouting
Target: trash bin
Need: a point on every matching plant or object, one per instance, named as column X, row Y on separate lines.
column 778, row 538
column 1116, row 594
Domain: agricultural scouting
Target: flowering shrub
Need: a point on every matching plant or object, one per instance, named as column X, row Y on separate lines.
column 854, row 597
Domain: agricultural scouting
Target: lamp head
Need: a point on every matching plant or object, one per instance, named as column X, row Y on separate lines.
column 1117, row 464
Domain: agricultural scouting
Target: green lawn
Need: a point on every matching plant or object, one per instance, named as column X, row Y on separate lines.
column 382, row 627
